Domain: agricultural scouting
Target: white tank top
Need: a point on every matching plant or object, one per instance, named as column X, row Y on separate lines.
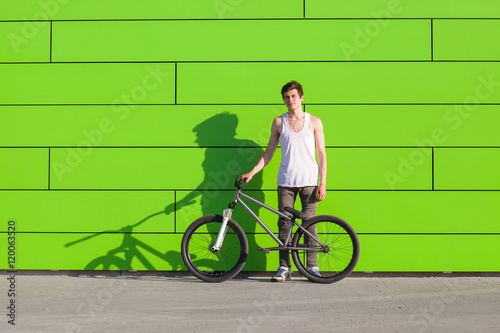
column 298, row 167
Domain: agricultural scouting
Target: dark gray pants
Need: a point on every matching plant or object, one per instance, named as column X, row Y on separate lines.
column 286, row 197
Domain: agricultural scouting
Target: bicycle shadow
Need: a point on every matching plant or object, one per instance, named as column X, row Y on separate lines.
column 225, row 156
column 122, row 257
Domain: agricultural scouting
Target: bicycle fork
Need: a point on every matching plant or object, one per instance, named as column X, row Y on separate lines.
column 226, row 215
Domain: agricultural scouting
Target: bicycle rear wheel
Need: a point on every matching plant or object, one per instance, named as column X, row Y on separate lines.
column 341, row 257
column 214, row 266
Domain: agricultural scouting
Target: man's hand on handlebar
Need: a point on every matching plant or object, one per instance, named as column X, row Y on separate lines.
column 246, row 177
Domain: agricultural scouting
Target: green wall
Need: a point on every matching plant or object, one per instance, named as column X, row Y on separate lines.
column 121, row 122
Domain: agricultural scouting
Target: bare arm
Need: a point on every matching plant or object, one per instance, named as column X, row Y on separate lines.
column 319, row 137
column 269, row 152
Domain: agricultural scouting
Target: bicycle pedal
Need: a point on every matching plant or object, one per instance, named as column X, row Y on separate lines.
column 266, row 251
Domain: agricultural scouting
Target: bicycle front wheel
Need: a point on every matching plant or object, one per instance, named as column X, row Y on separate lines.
column 214, row 266
column 107, row 263
column 336, row 261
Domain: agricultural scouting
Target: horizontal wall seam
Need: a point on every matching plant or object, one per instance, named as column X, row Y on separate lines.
column 241, row 61
column 232, row 190
column 239, row 147
column 301, row 18
column 250, row 104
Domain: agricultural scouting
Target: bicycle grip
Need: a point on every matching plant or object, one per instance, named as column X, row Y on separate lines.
column 238, row 183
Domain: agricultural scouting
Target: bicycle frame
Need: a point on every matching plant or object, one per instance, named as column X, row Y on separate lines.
column 227, row 215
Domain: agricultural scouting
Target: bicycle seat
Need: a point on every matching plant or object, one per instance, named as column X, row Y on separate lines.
column 296, row 213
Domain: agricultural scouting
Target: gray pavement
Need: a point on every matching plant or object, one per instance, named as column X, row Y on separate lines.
column 60, row 303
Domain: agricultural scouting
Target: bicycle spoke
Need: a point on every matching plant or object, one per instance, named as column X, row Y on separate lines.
column 221, row 261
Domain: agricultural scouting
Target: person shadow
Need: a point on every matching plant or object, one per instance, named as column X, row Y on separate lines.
column 225, row 157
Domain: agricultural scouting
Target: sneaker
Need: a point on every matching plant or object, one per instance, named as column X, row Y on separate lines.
column 283, row 274
column 314, row 270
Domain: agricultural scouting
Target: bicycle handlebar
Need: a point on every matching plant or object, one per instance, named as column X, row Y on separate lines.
column 238, row 183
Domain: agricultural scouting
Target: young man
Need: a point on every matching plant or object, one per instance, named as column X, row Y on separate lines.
column 299, row 135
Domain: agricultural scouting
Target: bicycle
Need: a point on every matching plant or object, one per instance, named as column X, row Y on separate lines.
column 215, row 248
column 129, row 250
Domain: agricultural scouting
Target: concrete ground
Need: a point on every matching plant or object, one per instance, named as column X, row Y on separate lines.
column 62, row 303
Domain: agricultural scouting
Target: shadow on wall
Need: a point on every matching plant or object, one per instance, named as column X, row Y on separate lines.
column 225, row 156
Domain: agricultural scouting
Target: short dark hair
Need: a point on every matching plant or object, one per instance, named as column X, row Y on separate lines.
column 290, row 86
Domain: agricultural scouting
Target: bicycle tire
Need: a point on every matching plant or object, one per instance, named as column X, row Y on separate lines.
column 106, row 263
column 211, row 266
column 343, row 254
